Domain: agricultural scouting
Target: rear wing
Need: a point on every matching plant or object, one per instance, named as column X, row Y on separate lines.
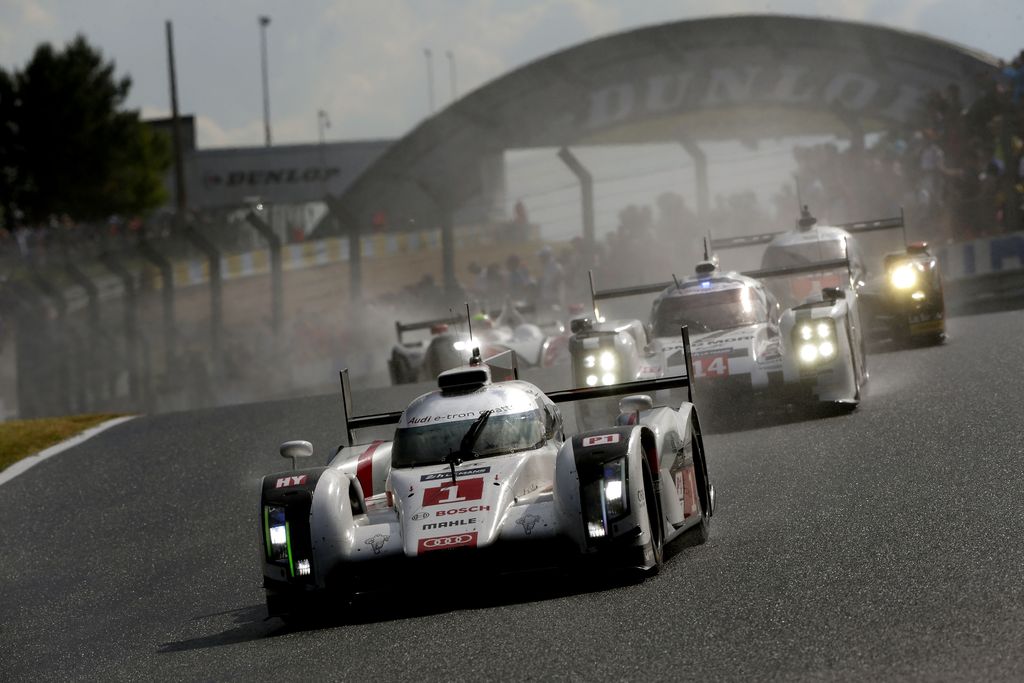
column 353, row 422
column 401, row 328
column 635, row 387
column 656, row 287
column 605, row 294
column 853, row 228
column 799, row 270
column 504, row 367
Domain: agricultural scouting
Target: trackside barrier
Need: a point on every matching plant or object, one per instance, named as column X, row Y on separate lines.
column 985, row 269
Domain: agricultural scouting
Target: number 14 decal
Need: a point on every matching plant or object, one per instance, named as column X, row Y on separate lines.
column 714, row 366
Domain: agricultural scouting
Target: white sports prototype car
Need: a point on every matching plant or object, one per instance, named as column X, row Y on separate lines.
column 746, row 346
column 451, row 343
column 898, row 283
column 479, row 472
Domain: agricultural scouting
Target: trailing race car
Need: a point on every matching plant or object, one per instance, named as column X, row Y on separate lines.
column 452, row 340
column 905, row 303
column 478, row 474
column 746, row 347
column 898, row 282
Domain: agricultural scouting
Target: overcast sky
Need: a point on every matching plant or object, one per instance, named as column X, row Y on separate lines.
column 363, row 61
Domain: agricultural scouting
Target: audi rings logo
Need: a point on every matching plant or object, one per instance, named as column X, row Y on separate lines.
column 420, row 515
column 443, row 542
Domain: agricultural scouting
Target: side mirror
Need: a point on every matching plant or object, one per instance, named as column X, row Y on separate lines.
column 577, row 325
column 832, row 293
column 296, row 449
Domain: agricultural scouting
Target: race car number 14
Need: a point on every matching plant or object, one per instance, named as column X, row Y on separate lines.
column 711, row 366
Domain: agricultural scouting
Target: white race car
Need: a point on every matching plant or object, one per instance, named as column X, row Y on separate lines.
column 451, row 343
column 898, row 283
column 746, row 347
column 478, row 474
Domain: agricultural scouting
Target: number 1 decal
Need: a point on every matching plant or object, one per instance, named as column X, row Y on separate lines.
column 462, row 490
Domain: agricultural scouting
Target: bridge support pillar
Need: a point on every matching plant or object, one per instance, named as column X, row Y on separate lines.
column 586, row 198
column 276, row 274
column 700, row 163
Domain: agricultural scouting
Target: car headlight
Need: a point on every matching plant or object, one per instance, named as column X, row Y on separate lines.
column 903, row 276
column 275, row 533
column 599, row 368
column 815, row 341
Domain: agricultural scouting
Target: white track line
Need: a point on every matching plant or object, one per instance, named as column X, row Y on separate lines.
column 32, row 460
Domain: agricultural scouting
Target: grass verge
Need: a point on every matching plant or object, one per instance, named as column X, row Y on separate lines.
column 22, row 438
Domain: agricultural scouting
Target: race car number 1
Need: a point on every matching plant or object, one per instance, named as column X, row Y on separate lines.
column 463, row 489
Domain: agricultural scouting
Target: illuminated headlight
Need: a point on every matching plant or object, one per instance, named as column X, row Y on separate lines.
column 826, row 349
column 808, row 353
column 596, row 530
column 302, row 568
column 608, row 378
column 917, row 296
column 461, row 345
column 806, row 332
column 275, row 530
column 589, row 361
column 608, row 361
column 903, row 277
column 591, row 380
column 824, row 330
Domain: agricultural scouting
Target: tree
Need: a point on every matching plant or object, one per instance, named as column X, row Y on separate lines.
column 72, row 148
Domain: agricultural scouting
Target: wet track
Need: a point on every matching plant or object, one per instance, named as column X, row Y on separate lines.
column 886, row 543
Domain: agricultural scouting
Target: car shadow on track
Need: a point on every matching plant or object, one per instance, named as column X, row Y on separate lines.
column 724, row 423
column 251, row 623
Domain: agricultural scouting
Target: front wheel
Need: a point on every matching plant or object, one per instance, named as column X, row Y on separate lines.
column 653, row 552
column 698, row 534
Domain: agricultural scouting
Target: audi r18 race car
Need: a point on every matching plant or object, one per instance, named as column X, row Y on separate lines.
column 899, row 283
column 746, row 347
column 452, row 340
column 476, row 475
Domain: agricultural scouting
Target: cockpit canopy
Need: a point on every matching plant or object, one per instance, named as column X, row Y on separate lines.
column 434, row 425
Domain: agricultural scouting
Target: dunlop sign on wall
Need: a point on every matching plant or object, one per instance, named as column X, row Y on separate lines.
column 284, row 174
column 731, row 78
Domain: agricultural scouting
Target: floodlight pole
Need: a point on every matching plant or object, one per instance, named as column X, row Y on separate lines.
column 264, row 22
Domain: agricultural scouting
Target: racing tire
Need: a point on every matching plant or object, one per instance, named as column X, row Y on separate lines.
column 400, row 371
column 698, row 535
column 653, row 511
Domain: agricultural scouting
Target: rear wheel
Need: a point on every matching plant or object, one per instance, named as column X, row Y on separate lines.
column 400, row 371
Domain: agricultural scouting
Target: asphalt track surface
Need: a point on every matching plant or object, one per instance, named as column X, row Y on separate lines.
column 885, row 544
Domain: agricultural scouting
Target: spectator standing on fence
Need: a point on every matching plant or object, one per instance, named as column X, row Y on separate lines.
column 519, row 280
column 551, row 285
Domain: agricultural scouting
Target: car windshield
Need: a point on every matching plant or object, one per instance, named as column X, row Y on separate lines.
column 708, row 311
column 430, row 444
